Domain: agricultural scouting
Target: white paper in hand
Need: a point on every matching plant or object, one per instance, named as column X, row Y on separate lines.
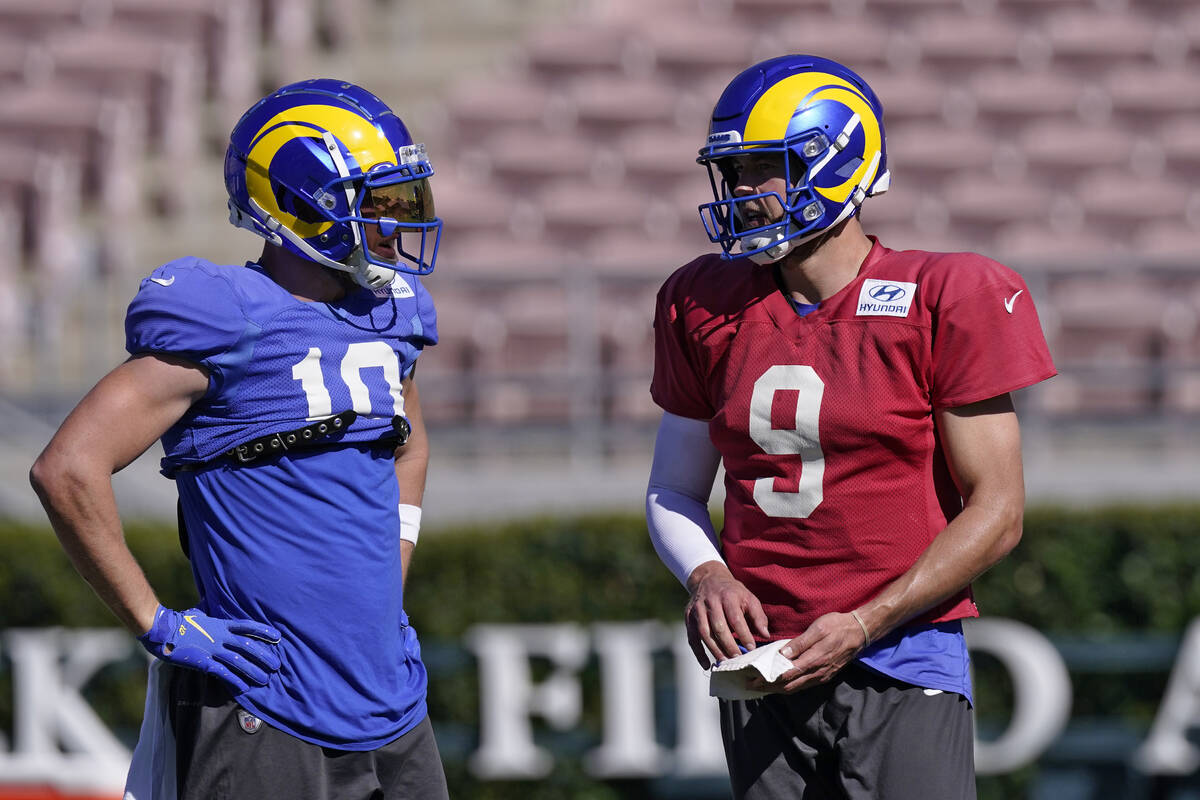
column 728, row 679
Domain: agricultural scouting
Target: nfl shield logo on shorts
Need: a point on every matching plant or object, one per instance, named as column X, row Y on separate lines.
column 248, row 722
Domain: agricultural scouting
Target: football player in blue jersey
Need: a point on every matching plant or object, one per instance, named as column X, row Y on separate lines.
column 284, row 395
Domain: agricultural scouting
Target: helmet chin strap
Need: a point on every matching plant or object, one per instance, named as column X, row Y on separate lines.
column 773, row 252
column 366, row 274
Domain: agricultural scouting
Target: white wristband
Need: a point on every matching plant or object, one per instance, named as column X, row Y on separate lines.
column 410, row 522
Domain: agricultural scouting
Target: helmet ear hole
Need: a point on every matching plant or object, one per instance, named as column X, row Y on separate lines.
column 296, row 205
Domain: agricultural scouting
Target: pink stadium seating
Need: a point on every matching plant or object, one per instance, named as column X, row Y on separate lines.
column 1170, row 245
column 1004, row 96
column 32, row 20
column 101, row 132
column 1180, row 140
column 777, row 10
column 1143, row 93
column 928, row 151
column 1118, row 200
column 574, row 212
column 1088, row 38
column 471, row 205
column 227, row 35
column 1056, row 253
column 913, row 94
column 506, row 103
column 687, row 49
column 860, row 42
column 658, row 159
column 951, row 42
column 525, row 160
column 607, row 106
column 562, row 53
column 1064, row 148
column 627, row 263
column 39, row 185
column 477, row 260
column 1108, row 359
column 157, row 76
column 982, row 202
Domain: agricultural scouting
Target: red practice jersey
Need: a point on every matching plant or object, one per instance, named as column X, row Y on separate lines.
column 835, row 480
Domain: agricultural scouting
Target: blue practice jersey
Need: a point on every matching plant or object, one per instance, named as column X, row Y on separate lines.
column 308, row 542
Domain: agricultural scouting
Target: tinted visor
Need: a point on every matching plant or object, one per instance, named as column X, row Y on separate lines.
column 407, row 203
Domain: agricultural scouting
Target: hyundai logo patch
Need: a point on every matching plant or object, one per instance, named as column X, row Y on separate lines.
column 885, row 298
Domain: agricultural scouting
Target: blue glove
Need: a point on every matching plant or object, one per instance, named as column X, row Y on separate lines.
column 237, row 651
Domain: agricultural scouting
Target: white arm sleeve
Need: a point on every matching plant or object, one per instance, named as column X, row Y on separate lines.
column 681, row 480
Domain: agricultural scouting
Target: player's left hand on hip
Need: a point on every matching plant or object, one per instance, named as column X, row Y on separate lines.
column 239, row 652
column 821, row 652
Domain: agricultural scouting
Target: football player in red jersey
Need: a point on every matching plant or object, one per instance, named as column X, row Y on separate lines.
column 859, row 399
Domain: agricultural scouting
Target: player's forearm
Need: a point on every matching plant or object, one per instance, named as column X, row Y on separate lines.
column 83, row 513
column 978, row 538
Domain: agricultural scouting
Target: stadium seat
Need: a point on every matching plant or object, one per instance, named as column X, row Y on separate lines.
column 685, row 50
column 1006, row 98
column 526, row 160
column 484, row 259
column 158, row 76
column 911, row 94
column 928, row 151
column 982, row 202
column 953, row 42
column 608, row 106
column 1141, row 94
column 227, row 35
column 1087, row 38
column 1119, row 200
column 860, row 42
column 34, row 20
column 1180, row 140
column 470, row 205
column 626, row 262
column 663, row 158
column 905, row 236
column 573, row 212
column 1052, row 254
column 1065, row 148
column 42, row 189
column 478, row 109
column 1170, row 247
column 101, row 132
column 1112, row 361
column 775, row 10
column 898, row 206
column 562, row 53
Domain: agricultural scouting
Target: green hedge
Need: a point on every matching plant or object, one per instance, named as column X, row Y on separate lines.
column 1096, row 573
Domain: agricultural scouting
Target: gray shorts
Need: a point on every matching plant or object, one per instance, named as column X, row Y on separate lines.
column 222, row 754
column 862, row 735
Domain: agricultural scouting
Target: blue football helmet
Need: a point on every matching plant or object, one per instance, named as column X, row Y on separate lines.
column 325, row 169
column 828, row 125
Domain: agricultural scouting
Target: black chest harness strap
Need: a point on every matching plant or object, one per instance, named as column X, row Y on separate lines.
column 312, row 436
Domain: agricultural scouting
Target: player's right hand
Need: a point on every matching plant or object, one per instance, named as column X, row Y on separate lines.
column 720, row 614
column 239, row 652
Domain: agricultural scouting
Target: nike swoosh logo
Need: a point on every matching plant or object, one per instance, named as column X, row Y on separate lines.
column 164, row 281
column 192, row 621
column 1008, row 304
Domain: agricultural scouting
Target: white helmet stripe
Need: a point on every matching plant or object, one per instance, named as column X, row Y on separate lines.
column 335, row 153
